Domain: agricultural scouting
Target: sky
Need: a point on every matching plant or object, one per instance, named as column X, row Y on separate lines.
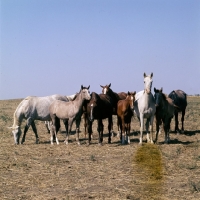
column 54, row 46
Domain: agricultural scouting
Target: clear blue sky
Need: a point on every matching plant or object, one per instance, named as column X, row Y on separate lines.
column 53, row 46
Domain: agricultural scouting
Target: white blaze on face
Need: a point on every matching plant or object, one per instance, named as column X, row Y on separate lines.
column 104, row 91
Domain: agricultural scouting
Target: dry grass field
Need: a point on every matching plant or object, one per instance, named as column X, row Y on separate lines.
column 111, row 171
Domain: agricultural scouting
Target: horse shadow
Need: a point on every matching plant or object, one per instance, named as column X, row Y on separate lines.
column 187, row 133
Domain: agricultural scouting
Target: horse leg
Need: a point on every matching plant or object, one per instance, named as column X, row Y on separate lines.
column 67, row 131
column 128, row 132
column 123, row 130
column 28, row 123
column 147, row 129
column 35, row 131
column 158, row 127
column 151, row 129
column 176, row 122
column 47, row 126
column 57, row 128
column 182, row 120
column 141, row 128
column 100, row 130
column 110, row 124
column 89, row 127
column 77, row 130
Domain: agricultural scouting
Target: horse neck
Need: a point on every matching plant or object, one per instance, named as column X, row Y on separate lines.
column 148, row 98
column 79, row 100
column 18, row 117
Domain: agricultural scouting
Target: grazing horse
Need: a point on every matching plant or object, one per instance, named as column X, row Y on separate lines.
column 98, row 108
column 180, row 99
column 164, row 113
column 144, row 107
column 69, row 112
column 124, row 114
column 32, row 108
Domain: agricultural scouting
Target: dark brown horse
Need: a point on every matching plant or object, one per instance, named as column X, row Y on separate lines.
column 99, row 107
column 180, row 99
column 124, row 114
column 164, row 113
column 115, row 97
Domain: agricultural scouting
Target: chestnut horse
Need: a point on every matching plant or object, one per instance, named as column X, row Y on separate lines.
column 99, row 107
column 180, row 99
column 164, row 113
column 124, row 114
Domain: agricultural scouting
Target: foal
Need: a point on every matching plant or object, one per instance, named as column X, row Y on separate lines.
column 124, row 114
column 69, row 112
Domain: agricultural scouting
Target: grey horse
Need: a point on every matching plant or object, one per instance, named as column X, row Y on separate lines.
column 144, row 106
column 32, row 108
column 69, row 112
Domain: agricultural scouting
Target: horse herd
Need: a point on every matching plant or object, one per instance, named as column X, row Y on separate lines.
column 143, row 104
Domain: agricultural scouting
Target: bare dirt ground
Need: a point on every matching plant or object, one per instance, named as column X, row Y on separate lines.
column 111, row 171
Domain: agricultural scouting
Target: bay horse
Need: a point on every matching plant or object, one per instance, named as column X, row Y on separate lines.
column 32, row 108
column 144, row 107
column 99, row 107
column 115, row 97
column 180, row 99
column 69, row 112
column 124, row 114
column 164, row 112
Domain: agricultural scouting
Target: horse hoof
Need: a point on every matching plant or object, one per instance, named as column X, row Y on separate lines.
column 100, row 144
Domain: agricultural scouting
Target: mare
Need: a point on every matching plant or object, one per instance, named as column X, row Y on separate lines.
column 125, row 109
column 69, row 112
column 164, row 113
column 115, row 97
column 144, row 107
column 32, row 108
column 98, row 108
column 180, row 99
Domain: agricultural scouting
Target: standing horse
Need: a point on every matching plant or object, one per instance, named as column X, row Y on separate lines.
column 180, row 99
column 115, row 97
column 98, row 108
column 32, row 108
column 67, row 98
column 164, row 113
column 124, row 114
column 145, row 108
column 69, row 112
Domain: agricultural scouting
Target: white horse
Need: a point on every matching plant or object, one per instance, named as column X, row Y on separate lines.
column 144, row 106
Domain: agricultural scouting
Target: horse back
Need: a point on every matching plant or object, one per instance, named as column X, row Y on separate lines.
column 180, row 99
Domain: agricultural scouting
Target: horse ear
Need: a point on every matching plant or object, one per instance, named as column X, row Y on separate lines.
column 101, row 86
column 151, row 74
column 161, row 89
column 134, row 92
column 81, row 87
column 109, row 85
column 145, row 75
column 88, row 87
column 128, row 93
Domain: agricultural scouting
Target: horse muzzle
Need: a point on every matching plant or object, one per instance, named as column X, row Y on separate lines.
column 148, row 91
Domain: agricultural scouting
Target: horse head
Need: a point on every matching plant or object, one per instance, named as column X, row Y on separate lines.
column 106, row 89
column 131, row 98
column 158, row 96
column 16, row 131
column 148, row 83
column 85, row 93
